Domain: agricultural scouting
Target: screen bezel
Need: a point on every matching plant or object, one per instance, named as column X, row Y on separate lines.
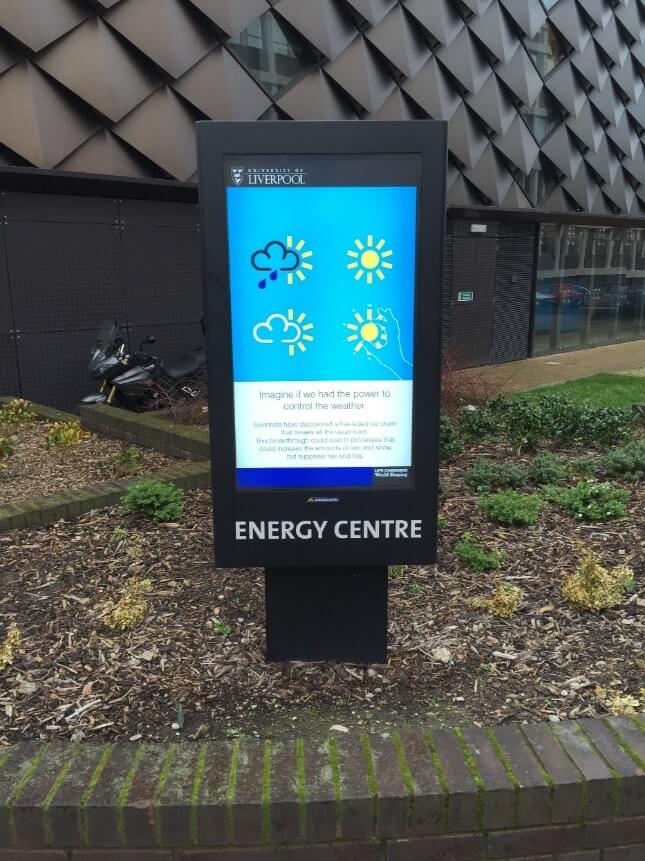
column 220, row 142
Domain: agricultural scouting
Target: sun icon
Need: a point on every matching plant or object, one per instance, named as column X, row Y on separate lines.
column 369, row 259
column 303, row 260
column 303, row 330
column 367, row 331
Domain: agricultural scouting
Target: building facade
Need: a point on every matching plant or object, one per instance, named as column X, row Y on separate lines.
column 545, row 104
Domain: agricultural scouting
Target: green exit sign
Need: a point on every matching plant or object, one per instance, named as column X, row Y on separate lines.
column 465, row 296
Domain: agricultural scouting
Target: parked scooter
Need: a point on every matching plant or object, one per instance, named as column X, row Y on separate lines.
column 139, row 380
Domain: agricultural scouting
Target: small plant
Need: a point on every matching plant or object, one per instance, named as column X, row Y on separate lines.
column 158, row 500
column 511, row 508
column 119, row 534
column 65, row 435
column 131, row 608
column 618, row 703
column 477, row 423
column 441, row 522
column 127, row 461
column 628, row 462
column 592, row 587
column 475, row 556
column 6, row 450
column 585, row 466
column 17, row 412
column 487, row 474
column 12, row 642
column 222, row 628
column 450, row 444
column 548, row 468
column 592, row 500
column 504, row 602
column 415, row 589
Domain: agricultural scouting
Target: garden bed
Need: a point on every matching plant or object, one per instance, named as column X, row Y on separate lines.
column 34, row 470
column 198, row 655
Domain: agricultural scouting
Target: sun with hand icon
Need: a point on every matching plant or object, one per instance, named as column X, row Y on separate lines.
column 367, row 331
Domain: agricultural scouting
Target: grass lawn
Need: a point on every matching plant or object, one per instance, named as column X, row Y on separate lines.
column 610, row 390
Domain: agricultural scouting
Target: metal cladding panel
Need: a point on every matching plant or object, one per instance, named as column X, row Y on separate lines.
column 64, row 277
column 513, row 280
column 9, row 380
column 53, row 367
column 27, row 206
column 127, row 80
column 172, row 339
column 162, row 273
column 6, row 316
column 472, row 322
column 159, row 213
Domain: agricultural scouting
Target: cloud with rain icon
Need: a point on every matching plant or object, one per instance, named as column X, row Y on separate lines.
column 275, row 257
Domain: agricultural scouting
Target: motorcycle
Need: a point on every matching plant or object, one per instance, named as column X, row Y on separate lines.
column 141, row 381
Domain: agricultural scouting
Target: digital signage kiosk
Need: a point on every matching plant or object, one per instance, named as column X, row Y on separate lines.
column 322, row 247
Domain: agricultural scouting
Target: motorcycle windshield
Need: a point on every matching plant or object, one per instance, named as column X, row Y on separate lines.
column 106, row 335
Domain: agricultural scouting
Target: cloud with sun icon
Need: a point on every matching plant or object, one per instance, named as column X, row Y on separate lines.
column 291, row 330
column 370, row 259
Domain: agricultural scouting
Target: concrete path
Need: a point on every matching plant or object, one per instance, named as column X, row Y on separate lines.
column 546, row 370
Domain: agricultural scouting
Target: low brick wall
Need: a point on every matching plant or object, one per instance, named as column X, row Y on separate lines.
column 150, row 430
column 47, row 413
column 572, row 791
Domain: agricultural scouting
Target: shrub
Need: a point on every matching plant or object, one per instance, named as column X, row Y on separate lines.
column 592, row 587
column 65, row 435
column 474, row 556
column 548, row 468
column 627, row 462
column 450, row 444
column 131, row 608
column 158, row 500
column 511, row 508
column 591, row 500
column 485, row 474
column 127, row 460
column 585, row 466
column 17, row 412
column 477, row 423
column 504, row 603
column 8, row 649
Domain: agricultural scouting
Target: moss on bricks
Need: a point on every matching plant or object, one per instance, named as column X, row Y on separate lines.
column 19, row 787
column 164, row 774
column 266, row 793
column 334, row 762
column 125, row 792
column 51, row 795
column 508, row 768
column 441, row 774
column 372, row 782
column 469, row 759
column 584, row 787
column 616, row 785
column 230, row 789
column 196, row 791
column 626, row 746
column 406, row 774
column 85, row 798
column 548, row 778
column 301, row 786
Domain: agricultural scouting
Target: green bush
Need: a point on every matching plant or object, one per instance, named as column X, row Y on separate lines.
column 6, row 450
column 527, row 420
column 477, row 424
column 487, row 474
column 158, row 500
column 548, row 468
column 450, row 444
column 511, row 508
column 627, row 462
column 591, row 500
column 474, row 556
column 585, row 466
column 17, row 412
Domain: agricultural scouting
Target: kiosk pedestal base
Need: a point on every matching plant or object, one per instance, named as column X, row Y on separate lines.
column 327, row 614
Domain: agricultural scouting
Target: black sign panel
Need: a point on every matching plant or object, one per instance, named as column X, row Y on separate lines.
column 322, row 247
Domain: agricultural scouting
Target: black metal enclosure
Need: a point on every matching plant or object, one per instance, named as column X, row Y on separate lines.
column 67, row 261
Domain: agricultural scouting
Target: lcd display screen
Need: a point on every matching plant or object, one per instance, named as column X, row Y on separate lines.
column 322, row 290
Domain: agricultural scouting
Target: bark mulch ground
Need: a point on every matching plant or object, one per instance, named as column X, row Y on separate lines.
column 195, row 667
column 34, row 470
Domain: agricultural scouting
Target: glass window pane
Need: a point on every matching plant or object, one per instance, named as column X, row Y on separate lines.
column 273, row 54
column 590, row 287
column 542, row 116
column 546, row 49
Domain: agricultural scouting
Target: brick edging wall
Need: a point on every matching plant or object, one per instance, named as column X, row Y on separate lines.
column 151, row 430
column 573, row 791
column 39, row 511
column 48, row 413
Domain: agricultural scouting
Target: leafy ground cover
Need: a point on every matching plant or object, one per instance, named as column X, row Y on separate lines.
column 38, row 467
column 611, row 390
column 465, row 645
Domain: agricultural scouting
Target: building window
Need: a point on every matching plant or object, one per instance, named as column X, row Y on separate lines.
column 546, row 49
column 590, row 287
column 542, row 116
column 273, row 53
